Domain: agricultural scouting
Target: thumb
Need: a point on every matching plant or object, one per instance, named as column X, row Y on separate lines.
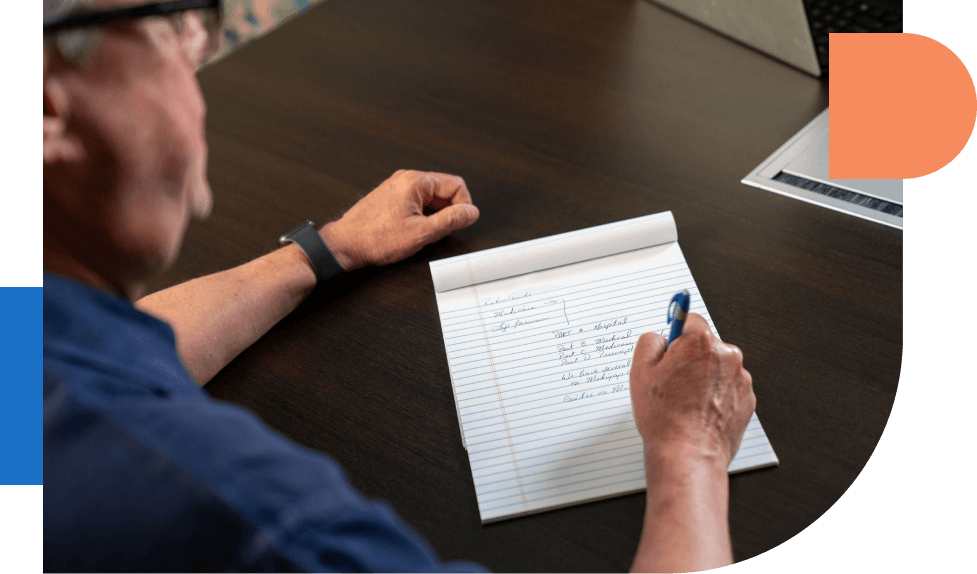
column 650, row 349
column 452, row 218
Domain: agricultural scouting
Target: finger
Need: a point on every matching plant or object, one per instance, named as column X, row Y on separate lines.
column 451, row 218
column 449, row 188
column 52, row 126
column 650, row 349
column 695, row 324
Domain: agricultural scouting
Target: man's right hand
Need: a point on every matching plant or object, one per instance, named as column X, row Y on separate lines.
column 691, row 405
column 695, row 398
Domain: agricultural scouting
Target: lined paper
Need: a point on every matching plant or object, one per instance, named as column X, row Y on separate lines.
column 540, row 361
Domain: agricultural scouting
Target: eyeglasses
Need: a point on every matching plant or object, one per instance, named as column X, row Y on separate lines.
column 200, row 35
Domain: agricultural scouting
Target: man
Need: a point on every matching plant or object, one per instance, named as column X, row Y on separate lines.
column 142, row 470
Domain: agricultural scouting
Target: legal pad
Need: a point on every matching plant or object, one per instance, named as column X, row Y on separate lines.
column 539, row 337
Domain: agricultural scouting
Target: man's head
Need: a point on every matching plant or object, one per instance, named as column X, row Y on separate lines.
column 124, row 149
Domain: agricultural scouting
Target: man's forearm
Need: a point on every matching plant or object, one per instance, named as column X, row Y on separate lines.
column 685, row 527
column 217, row 316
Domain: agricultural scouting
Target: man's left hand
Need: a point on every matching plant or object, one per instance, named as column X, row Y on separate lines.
column 389, row 224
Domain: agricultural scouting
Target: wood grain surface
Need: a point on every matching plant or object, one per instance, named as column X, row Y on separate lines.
column 560, row 116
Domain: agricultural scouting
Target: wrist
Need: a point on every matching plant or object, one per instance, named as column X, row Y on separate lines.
column 337, row 243
column 686, row 523
column 292, row 266
column 680, row 458
column 687, row 479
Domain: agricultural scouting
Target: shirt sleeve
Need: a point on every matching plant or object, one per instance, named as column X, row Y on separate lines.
column 300, row 499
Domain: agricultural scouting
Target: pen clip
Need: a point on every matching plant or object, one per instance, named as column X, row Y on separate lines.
column 678, row 307
column 676, row 301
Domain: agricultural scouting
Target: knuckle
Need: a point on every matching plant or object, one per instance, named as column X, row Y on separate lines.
column 735, row 354
column 428, row 180
column 700, row 336
column 747, row 379
column 702, row 345
column 746, row 390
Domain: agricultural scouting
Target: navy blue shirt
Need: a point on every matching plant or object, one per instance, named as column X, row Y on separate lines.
column 143, row 471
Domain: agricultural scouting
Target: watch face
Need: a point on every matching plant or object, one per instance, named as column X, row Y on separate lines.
column 290, row 236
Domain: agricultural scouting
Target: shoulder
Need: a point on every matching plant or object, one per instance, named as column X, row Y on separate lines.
column 167, row 481
column 112, row 501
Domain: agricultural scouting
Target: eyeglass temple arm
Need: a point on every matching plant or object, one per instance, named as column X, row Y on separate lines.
column 81, row 19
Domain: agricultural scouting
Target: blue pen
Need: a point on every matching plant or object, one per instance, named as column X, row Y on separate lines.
column 678, row 310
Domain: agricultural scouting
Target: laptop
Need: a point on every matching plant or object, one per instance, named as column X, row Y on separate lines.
column 796, row 32
column 793, row 31
column 799, row 169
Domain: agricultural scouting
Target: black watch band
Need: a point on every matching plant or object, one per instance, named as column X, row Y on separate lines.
column 310, row 242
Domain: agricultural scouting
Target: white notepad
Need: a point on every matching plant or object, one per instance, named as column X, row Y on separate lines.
column 539, row 337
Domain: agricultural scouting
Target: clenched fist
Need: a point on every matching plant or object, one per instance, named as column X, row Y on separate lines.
column 389, row 224
column 697, row 397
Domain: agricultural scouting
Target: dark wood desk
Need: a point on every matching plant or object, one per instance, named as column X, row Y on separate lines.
column 560, row 115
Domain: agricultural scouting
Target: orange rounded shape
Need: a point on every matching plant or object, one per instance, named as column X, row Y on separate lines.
column 902, row 106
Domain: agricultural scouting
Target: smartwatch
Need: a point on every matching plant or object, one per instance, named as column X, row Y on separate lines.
column 310, row 242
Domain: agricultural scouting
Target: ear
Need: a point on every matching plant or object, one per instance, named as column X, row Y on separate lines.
column 59, row 144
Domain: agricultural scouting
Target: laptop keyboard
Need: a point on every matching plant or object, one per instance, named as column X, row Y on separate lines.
column 831, row 16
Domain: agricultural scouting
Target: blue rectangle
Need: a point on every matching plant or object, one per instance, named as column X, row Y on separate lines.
column 21, row 387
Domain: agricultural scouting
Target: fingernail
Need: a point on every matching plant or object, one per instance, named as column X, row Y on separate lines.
column 472, row 212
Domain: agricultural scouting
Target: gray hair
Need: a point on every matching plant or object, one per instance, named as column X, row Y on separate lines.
column 74, row 45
